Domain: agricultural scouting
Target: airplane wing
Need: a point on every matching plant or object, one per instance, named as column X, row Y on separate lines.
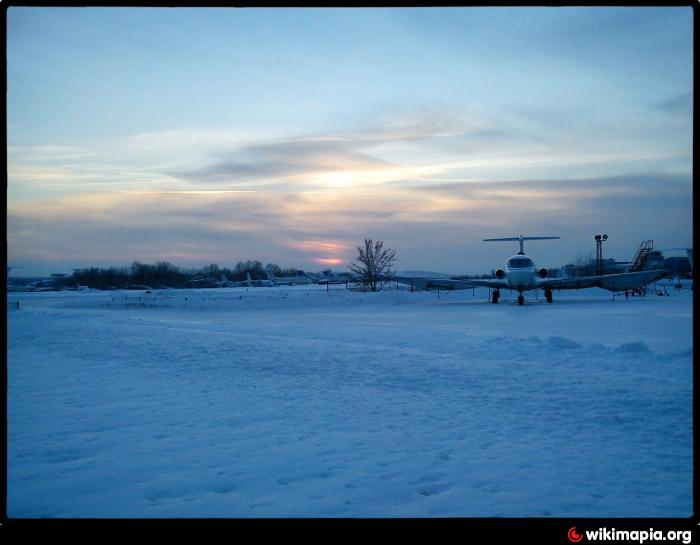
column 447, row 283
column 490, row 283
column 611, row 282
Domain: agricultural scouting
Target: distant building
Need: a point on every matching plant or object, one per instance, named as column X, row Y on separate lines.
column 652, row 260
column 610, row 266
column 678, row 266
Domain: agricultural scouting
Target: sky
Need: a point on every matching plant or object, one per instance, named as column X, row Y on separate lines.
column 218, row 135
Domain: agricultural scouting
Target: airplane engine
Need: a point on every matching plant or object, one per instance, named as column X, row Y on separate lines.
column 543, row 273
column 500, row 273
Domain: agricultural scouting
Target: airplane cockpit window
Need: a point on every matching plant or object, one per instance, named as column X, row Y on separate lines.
column 520, row 262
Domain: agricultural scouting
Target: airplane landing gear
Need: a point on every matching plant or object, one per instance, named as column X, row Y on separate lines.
column 521, row 300
column 548, row 295
column 494, row 296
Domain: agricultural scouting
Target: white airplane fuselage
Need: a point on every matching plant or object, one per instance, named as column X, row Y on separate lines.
column 520, row 273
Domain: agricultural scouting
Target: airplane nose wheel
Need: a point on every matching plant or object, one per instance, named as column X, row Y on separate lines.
column 521, row 300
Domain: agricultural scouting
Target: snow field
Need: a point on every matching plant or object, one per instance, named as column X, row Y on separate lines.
column 287, row 402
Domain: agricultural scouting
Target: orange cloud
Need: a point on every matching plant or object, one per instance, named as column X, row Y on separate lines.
column 328, row 261
column 319, row 245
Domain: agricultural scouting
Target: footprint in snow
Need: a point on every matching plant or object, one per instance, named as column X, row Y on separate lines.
column 563, row 342
column 633, row 348
column 224, row 489
column 433, row 490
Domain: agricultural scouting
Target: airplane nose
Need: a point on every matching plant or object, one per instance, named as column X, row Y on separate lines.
column 520, row 279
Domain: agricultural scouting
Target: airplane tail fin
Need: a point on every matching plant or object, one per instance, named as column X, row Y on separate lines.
column 520, row 239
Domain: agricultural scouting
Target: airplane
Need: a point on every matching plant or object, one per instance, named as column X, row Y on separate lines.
column 521, row 274
column 247, row 283
column 299, row 279
column 328, row 277
column 260, row 282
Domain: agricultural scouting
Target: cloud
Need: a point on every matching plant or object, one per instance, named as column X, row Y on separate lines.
column 680, row 104
column 402, row 148
column 284, row 160
column 422, row 145
column 402, row 144
column 430, row 182
column 435, row 227
column 421, row 123
column 49, row 153
column 222, row 158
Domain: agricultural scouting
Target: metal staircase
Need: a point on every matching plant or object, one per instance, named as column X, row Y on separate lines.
column 640, row 258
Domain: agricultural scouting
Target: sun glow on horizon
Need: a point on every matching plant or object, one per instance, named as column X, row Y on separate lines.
column 329, row 261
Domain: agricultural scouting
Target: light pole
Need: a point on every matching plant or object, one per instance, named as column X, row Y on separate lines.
column 599, row 239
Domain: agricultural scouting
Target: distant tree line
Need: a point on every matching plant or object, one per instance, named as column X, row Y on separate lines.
column 165, row 274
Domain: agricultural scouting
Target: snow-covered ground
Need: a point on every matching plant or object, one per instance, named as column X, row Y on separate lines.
column 295, row 401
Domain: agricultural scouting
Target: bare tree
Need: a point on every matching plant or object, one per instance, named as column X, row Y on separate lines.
column 273, row 269
column 584, row 265
column 373, row 263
